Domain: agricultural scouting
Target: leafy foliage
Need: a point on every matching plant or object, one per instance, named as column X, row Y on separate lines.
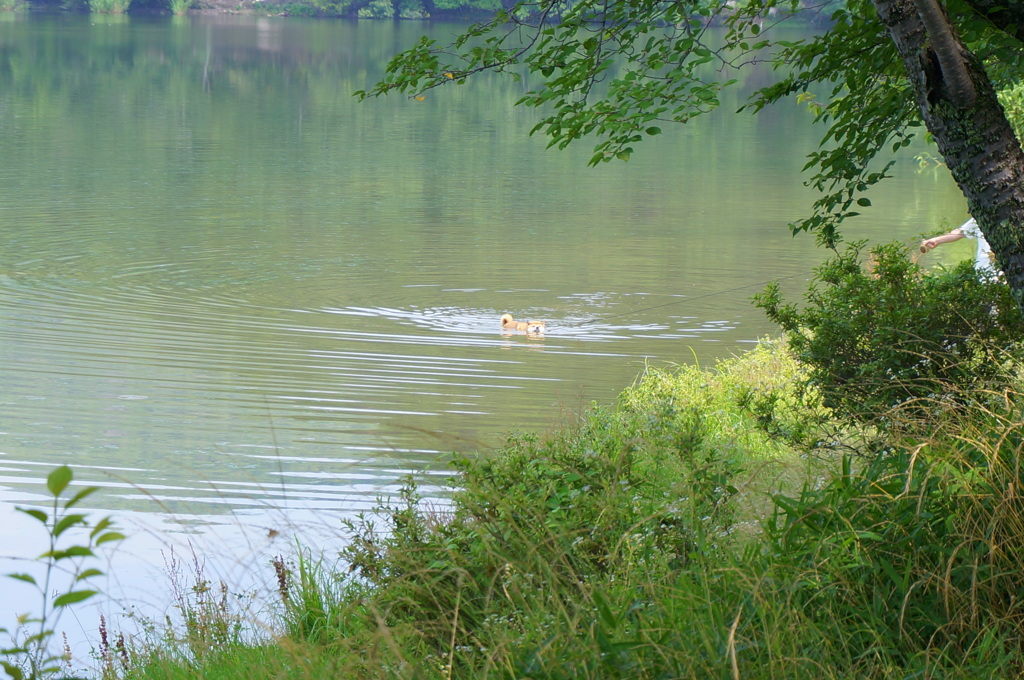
column 874, row 339
column 454, row 5
column 1012, row 99
column 609, row 69
column 613, row 549
column 30, row 657
column 869, row 108
column 296, row 9
column 109, row 6
column 619, row 70
column 377, row 9
column 567, row 531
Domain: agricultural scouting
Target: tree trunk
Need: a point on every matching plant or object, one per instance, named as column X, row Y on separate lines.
column 948, row 52
column 975, row 139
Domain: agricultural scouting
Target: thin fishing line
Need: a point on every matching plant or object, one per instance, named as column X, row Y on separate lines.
column 690, row 299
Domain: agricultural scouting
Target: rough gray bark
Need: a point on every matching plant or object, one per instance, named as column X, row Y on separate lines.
column 975, row 139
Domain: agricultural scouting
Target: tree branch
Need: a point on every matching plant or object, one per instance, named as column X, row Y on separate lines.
column 1008, row 17
column 957, row 80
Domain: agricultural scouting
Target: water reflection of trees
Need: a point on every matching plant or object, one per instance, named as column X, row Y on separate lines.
column 231, row 151
column 187, row 100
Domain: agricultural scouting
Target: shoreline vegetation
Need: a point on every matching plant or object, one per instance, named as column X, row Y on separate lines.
column 459, row 10
column 465, row 10
column 776, row 515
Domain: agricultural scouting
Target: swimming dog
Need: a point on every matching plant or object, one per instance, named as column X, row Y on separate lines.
column 532, row 327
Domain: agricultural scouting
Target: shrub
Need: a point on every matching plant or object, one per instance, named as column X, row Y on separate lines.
column 329, row 8
column 377, row 9
column 876, row 339
column 918, row 551
column 296, row 9
column 550, row 555
column 412, row 9
column 481, row 5
column 108, row 6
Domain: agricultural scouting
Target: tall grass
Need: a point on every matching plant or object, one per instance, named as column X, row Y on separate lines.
column 918, row 550
column 714, row 523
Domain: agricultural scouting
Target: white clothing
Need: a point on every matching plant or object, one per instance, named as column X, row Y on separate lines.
column 984, row 262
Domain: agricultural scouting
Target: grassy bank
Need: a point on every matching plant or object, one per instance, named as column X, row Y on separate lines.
column 713, row 523
column 572, row 555
column 842, row 505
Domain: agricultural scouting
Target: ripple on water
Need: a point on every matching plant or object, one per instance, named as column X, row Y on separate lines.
column 159, row 388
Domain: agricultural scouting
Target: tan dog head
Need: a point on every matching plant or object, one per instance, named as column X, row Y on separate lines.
column 510, row 324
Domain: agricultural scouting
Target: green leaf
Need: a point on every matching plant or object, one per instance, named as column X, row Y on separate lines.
column 13, row 672
column 38, row 514
column 100, row 526
column 66, row 523
column 864, row 202
column 87, row 491
column 58, row 480
column 73, row 551
column 27, row 578
column 73, row 597
column 110, row 536
column 605, row 614
column 88, row 573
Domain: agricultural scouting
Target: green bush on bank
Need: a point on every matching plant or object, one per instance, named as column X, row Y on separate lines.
column 916, row 554
column 108, row 6
column 715, row 523
column 894, row 335
column 611, row 550
column 552, row 554
column 569, row 556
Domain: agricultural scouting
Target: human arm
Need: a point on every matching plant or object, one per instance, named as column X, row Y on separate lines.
column 930, row 243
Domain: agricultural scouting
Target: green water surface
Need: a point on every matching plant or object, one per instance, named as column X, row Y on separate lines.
column 227, row 285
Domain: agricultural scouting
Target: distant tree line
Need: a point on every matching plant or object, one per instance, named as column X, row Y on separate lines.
column 387, row 9
column 444, row 9
column 366, row 9
column 369, row 9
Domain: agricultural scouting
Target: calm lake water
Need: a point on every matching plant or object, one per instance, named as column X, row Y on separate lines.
column 245, row 304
